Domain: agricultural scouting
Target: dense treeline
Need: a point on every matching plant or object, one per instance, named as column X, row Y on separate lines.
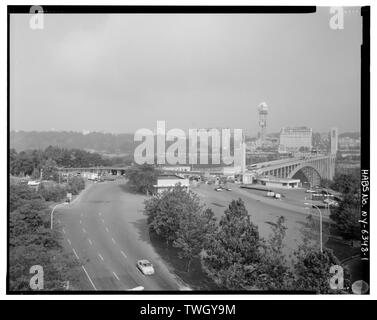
column 30, row 162
column 32, row 243
column 232, row 252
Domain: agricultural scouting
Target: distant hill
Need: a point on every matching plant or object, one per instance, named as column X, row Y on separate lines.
column 94, row 141
column 352, row 135
column 104, row 143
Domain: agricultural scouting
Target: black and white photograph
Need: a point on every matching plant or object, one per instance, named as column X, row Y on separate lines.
column 188, row 150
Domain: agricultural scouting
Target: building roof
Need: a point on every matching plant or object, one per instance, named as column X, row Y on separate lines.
column 281, row 180
column 168, row 176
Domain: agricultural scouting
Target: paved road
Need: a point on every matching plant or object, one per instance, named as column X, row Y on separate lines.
column 107, row 232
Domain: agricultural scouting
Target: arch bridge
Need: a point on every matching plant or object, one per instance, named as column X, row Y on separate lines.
column 308, row 169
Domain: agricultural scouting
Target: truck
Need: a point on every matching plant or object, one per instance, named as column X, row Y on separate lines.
column 272, row 194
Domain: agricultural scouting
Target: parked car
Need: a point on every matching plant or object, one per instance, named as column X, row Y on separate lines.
column 331, row 203
column 139, row 288
column 218, row 189
column 145, row 267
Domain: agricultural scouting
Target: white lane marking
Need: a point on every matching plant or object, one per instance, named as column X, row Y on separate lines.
column 83, row 230
column 74, row 251
column 107, row 229
column 112, row 239
column 115, row 275
column 63, row 230
column 69, row 241
column 90, row 241
column 103, row 221
column 124, row 255
column 90, row 280
column 100, row 257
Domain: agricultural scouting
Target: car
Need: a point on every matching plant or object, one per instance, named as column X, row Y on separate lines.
column 228, row 189
column 218, row 189
column 310, row 191
column 145, row 267
column 139, row 288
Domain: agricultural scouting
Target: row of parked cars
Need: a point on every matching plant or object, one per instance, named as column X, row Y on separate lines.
column 221, row 188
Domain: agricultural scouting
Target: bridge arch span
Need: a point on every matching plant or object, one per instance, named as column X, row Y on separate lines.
column 307, row 173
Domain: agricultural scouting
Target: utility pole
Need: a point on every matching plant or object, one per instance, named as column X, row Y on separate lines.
column 320, row 223
column 52, row 213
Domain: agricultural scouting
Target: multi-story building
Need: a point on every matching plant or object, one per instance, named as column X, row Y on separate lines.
column 263, row 112
column 333, row 140
column 294, row 138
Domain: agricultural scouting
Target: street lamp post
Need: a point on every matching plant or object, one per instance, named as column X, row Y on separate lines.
column 52, row 213
column 320, row 223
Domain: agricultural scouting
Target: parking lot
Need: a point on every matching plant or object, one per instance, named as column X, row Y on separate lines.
column 263, row 210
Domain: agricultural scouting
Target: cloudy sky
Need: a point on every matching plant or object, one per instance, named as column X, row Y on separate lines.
column 119, row 73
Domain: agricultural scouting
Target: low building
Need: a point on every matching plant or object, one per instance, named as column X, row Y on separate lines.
column 231, row 170
column 176, row 168
column 278, row 182
column 169, row 181
column 89, row 175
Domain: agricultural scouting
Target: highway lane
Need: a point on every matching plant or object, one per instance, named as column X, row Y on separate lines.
column 106, row 230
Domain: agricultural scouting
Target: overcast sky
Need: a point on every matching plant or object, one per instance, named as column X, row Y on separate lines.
column 119, row 73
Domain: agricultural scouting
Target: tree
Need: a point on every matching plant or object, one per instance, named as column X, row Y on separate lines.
column 231, row 259
column 273, row 271
column 52, row 191
column 311, row 267
column 312, row 270
column 22, row 164
column 58, row 267
column 142, row 178
column 165, row 211
column 347, row 216
column 195, row 230
column 31, row 242
column 19, row 194
column 75, row 185
column 346, row 183
column 326, row 183
column 50, row 170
